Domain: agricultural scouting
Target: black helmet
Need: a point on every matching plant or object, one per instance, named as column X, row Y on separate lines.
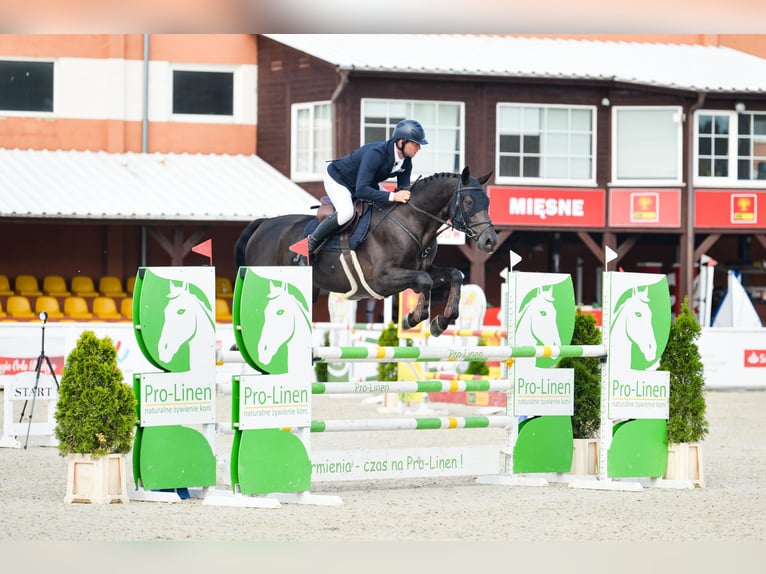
column 410, row 130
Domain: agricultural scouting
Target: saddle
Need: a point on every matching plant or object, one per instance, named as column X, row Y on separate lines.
column 350, row 235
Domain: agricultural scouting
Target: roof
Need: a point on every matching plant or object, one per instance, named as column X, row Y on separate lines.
column 135, row 186
column 676, row 66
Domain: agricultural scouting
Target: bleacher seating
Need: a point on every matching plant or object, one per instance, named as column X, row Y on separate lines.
column 83, row 286
column 130, row 284
column 50, row 305
column 223, row 288
column 105, row 308
column 55, row 286
column 27, row 285
column 222, row 311
column 76, row 308
column 19, row 307
column 126, row 308
column 111, row 286
column 5, row 286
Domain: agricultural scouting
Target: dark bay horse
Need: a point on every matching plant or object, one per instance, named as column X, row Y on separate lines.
column 399, row 249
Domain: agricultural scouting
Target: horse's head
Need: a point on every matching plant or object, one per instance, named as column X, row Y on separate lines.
column 541, row 315
column 469, row 211
column 282, row 314
column 180, row 321
column 638, row 323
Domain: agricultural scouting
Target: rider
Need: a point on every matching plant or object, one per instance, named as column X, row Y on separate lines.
column 358, row 176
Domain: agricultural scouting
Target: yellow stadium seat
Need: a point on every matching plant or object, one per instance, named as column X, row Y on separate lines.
column 27, row 285
column 3, row 314
column 83, row 286
column 55, row 286
column 19, row 307
column 50, row 305
column 111, row 286
column 5, row 286
column 223, row 288
column 130, row 284
column 126, row 308
column 222, row 312
column 77, row 308
column 105, row 308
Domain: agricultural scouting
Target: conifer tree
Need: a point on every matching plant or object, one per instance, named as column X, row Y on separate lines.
column 586, row 419
column 686, row 417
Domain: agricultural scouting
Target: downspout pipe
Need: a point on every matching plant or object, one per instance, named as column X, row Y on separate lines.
column 145, row 113
column 342, row 83
column 687, row 255
column 145, row 132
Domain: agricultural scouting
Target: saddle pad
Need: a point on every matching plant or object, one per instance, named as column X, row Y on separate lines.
column 357, row 235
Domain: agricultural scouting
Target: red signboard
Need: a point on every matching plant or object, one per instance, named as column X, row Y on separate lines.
column 645, row 208
column 526, row 206
column 754, row 358
column 728, row 208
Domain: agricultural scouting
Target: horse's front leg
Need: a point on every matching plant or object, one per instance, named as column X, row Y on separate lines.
column 454, row 277
column 419, row 313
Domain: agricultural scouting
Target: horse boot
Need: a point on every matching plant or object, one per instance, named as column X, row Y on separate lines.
column 325, row 229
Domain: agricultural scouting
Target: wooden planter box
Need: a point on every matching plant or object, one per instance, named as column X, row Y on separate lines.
column 96, row 479
column 585, row 457
column 685, row 463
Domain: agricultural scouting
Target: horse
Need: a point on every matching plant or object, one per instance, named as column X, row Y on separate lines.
column 398, row 251
column 186, row 316
column 282, row 316
column 536, row 324
column 632, row 325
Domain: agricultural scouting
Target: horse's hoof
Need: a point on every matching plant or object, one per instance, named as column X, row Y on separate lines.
column 436, row 328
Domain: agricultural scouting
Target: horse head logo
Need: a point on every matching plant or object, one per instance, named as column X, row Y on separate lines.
column 632, row 325
column 185, row 316
column 283, row 316
column 537, row 319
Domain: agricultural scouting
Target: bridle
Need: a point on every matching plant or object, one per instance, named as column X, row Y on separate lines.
column 458, row 218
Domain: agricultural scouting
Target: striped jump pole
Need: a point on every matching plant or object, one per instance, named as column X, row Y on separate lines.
column 426, row 386
column 478, row 353
column 414, row 423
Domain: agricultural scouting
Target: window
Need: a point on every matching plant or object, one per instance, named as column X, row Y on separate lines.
column 730, row 147
column 311, row 138
column 545, row 144
column 203, row 93
column 647, row 145
column 26, row 86
column 442, row 122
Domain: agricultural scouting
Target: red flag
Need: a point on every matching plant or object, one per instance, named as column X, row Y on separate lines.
column 205, row 248
column 301, row 248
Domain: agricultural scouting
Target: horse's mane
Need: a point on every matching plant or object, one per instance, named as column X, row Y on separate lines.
column 430, row 178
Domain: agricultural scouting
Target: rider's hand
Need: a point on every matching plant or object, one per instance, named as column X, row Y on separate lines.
column 402, row 196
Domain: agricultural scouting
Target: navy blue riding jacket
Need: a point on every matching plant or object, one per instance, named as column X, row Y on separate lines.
column 363, row 169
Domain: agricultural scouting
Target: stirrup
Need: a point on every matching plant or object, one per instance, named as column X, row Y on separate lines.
column 300, row 260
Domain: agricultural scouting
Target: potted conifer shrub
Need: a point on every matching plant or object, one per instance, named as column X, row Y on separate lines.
column 687, row 425
column 586, row 418
column 95, row 421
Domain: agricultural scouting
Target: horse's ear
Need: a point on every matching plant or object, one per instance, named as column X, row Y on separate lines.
column 485, row 178
column 465, row 175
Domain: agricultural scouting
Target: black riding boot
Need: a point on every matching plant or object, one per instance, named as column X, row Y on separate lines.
column 325, row 229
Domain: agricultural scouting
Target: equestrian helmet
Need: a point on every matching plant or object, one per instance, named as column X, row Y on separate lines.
column 410, row 130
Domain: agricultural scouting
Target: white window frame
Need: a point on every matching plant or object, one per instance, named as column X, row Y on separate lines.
column 303, row 176
column 237, row 115
column 55, row 88
column 430, row 129
column 564, row 182
column 678, row 118
column 732, row 150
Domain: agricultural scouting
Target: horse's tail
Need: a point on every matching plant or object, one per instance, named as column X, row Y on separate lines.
column 239, row 247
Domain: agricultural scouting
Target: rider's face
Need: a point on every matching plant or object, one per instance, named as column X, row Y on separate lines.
column 411, row 148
